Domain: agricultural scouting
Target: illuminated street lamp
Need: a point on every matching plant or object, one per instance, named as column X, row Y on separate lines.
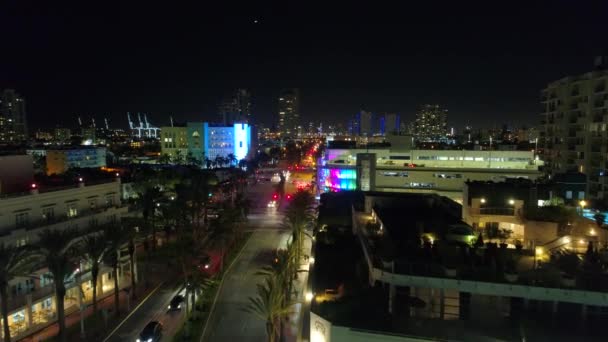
column 511, row 202
column 583, row 204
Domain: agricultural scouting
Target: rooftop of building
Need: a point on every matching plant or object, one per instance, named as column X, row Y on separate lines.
column 71, row 179
column 399, row 249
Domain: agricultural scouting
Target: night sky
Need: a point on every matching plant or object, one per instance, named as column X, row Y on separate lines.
column 486, row 62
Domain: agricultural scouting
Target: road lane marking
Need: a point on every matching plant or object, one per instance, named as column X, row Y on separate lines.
column 132, row 312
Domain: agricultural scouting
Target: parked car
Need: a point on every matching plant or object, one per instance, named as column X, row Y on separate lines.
column 176, row 303
column 151, row 333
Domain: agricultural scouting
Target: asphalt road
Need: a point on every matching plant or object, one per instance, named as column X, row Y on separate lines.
column 229, row 322
column 153, row 309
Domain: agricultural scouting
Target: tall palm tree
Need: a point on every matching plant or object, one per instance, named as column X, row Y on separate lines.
column 58, row 251
column 197, row 283
column 115, row 239
column 94, row 246
column 164, row 159
column 299, row 217
column 231, row 158
column 14, row 261
column 131, row 249
column 270, row 305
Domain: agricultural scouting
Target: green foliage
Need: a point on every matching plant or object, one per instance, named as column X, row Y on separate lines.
column 57, row 250
column 559, row 214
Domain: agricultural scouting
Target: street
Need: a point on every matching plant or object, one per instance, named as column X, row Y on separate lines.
column 153, row 309
column 228, row 321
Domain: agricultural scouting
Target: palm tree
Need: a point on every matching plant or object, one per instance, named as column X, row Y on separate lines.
column 131, row 249
column 191, row 160
column 115, row 239
column 94, row 246
column 197, row 283
column 57, row 250
column 178, row 158
column 164, row 159
column 298, row 218
column 218, row 160
column 14, row 261
column 231, row 158
column 270, row 305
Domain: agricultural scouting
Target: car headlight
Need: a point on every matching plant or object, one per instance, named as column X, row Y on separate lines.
column 169, row 307
column 179, row 306
column 206, row 266
column 138, row 340
column 149, row 340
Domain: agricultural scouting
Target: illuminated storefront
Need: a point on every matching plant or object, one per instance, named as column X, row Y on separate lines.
column 334, row 179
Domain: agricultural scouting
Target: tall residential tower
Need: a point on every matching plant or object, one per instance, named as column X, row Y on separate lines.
column 236, row 108
column 573, row 133
column 289, row 111
column 13, row 122
column 431, row 123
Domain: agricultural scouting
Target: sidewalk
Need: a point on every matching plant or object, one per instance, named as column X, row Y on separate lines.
column 72, row 319
column 292, row 331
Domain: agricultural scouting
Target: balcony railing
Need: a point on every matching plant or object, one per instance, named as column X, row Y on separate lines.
column 82, row 214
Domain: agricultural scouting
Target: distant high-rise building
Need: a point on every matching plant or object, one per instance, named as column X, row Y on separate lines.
column 366, row 123
column 236, row 108
column 573, row 127
column 431, row 123
column 13, row 122
column 289, row 111
column 89, row 136
column 390, row 123
column 62, row 135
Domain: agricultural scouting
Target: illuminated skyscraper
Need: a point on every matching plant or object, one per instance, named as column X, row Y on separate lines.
column 13, row 122
column 431, row 123
column 289, row 111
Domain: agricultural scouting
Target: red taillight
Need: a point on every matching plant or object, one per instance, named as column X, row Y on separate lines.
column 274, row 196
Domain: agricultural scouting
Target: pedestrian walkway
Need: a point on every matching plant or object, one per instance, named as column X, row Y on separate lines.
column 292, row 331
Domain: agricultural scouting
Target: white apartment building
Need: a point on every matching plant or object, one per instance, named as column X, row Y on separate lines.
column 22, row 216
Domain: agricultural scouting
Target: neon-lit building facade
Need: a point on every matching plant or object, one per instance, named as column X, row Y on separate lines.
column 206, row 140
column 242, row 140
column 336, row 179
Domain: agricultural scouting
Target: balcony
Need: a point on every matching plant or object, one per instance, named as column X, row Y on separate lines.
column 83, row 219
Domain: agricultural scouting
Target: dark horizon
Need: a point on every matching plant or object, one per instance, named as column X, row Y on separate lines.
column 485, row 63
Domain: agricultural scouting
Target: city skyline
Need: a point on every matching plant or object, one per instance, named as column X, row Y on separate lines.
column 109, row 62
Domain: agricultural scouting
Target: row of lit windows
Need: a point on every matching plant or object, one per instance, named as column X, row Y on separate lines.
column 494, row 159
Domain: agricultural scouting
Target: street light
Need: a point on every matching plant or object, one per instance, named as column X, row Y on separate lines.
column 583, row 204
column 511, row 201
